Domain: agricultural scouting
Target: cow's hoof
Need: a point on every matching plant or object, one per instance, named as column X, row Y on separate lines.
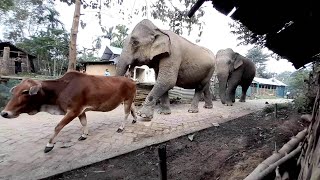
column 164, row 111
column 82, row 137
column 229, row 104
column 134, row 121
column 48, row 149
column 208, row 106
column 119, row 130
column 193, row 110
column 242, row 100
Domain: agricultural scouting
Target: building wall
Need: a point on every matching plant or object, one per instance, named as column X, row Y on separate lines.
column 25, row 65
column 99, row 69
column 144, row 74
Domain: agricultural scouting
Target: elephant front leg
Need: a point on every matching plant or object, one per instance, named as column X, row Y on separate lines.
column 157, row 91
column 164, row 104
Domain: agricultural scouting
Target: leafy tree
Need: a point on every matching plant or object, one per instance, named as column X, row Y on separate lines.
column 259, row 58
column 284, row 77
column 51, row 47
column 297, row 81
column 27, row 17
column 5, row 6
column 119, row 36
column 246, row 37
column 174, row 12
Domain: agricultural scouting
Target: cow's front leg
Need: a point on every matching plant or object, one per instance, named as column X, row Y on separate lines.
column 65, row 120
column 85, row 131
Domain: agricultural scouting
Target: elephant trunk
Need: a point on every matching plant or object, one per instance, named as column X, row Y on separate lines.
column 121, row 67
column 223, row 80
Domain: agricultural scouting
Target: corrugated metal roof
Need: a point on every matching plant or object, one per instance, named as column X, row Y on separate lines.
column 271, row 81
column 115, row 50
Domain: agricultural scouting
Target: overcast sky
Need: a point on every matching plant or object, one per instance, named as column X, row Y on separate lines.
column 216, row 33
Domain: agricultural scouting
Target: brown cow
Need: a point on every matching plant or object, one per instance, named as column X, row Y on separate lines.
column 72, row 95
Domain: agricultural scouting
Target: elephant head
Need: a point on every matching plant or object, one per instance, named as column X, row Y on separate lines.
column 145, row 44
column 227, row 62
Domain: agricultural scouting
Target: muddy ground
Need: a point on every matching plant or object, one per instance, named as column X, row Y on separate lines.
column 230, row 151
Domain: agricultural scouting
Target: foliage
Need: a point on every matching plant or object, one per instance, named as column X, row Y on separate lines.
column 6, row 5
column 176, row 15
column 51, row 46
column 119, row 36
column 33, row 25
column 259, row 58
column 174, row 12
column 245, row 36
column 27, row 17
column 280, row 106
column 284, row 77
column 4, row 92
column 298, row 88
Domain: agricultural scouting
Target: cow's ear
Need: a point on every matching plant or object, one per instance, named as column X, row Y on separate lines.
column 34, row 90
column 11, row 90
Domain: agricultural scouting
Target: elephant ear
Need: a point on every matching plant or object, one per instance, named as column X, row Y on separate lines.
column 238, row 61
column 160, row 45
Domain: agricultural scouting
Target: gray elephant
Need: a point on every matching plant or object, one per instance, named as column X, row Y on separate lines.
column 176, row 61
column 232, row 70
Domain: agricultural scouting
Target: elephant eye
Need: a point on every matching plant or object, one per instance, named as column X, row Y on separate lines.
column 135, row 42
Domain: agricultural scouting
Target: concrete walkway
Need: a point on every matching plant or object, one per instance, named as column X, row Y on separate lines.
column 22, row 140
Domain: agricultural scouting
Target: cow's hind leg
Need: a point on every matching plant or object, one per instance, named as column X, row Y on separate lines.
column 65, row 120
column 127, row 109
column 85, row 131
column 133, row 113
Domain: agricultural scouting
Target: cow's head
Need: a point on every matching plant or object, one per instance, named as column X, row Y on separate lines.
column 25, row 99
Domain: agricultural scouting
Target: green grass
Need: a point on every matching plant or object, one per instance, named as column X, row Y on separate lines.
column 5, row 92
column 271, row 108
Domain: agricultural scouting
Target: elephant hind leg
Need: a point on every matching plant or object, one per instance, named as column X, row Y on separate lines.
column 207, row 97
column 195, row 101
column 244, row 92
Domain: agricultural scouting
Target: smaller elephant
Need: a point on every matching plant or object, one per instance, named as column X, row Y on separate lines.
column 232, row 70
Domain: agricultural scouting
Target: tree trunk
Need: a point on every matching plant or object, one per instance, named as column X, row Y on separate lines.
column 55, row 67
column 73, row 39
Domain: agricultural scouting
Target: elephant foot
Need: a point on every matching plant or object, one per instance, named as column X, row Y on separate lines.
column 145, row 112
column 208, row 106
column 229, row 104
column 242, row 100
column 164, row 110
column 193, row 110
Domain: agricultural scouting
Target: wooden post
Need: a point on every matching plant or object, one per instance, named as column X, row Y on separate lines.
column 4, row 66
column 73, row 38
column 28, row 64
column 163, row 162
column 276, row 110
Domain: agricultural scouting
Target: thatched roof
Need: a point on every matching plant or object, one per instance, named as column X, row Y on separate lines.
column 291, row 27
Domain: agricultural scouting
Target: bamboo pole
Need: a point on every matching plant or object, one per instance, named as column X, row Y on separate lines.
column 287, row 148
column 273, row 166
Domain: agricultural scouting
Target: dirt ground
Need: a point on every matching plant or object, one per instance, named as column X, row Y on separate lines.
column 229, row 151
